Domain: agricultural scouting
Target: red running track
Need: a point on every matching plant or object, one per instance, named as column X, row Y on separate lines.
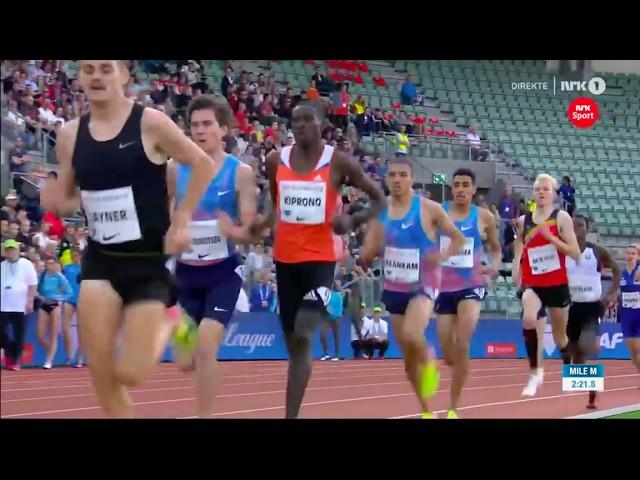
column 345, row 389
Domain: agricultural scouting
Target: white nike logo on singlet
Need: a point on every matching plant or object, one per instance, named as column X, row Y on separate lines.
column 125, row 145
column 223, row 193
column 405, row 226
column 464, row 229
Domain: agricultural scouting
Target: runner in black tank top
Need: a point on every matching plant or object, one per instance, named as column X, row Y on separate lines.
column 114, row 160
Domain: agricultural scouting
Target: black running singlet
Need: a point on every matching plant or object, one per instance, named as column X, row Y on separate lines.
column 124, row 195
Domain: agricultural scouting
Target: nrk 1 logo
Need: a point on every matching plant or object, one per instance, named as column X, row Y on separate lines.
column 595, row 86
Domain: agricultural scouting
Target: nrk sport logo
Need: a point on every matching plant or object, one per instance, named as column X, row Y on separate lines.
column 583, row 112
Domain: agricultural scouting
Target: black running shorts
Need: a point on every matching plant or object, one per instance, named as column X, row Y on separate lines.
column 134, row 278
column 301, row 284
column 558, row 296
column 583, row 316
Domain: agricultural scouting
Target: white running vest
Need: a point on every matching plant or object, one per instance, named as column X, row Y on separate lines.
column 584, row 278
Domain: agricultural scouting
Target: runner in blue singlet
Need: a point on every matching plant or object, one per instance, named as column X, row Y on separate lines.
column 408, row 229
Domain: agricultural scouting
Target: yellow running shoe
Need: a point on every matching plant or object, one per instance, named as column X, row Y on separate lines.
column 452, row 415
column 428, row 416
column 429, row 379
column 185, row 336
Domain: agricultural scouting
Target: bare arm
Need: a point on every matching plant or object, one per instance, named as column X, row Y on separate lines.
column 172, row 182
column 60, row 196
column 518, row 247
column 172, row 141
column 570, row 245
column 492, row 237
column 435, row 212
column 246, row 191
column 608, row 262
column 347, row 168
column 268, row 220
column 373, row 241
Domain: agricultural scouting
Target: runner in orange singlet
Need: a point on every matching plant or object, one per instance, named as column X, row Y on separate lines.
column 304, row 181
column 545, row 238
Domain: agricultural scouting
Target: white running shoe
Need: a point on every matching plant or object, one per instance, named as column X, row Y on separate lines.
column 535, row 381
column 326, row 357
column 47, row 365
column 335, row 359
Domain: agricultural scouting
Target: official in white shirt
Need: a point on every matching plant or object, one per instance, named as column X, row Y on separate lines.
column 358, row 332
column 376, row 336
column 18, row 282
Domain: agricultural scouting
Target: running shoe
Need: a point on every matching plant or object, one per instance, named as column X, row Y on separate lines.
column 535, row 381
column 428, row 416
column 325, row 357
column 185, row 336
column 429, row 379
column 452, row 415
column 335, row 359
column 47, row 365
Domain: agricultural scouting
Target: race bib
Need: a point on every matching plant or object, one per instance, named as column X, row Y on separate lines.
column 302, row 202
column 585, row 288
column 402, row 265
column 462, row 259
column 544, row 259
column 631, row 300
column 208, row 243
column 111, row 215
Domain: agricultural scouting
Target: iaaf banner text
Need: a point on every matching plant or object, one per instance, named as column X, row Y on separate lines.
column 258, row 336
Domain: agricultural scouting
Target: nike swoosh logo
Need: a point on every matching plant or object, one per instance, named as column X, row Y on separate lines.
column 106, row 238
column 464, row 229
column 216, row 309
column 223, row 193
column 404, row 227
column 125, row 145
column 201, row 256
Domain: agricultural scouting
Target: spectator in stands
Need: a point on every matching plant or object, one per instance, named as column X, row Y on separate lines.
column 257, row 260
column 42, row 239
column 340, row 102
column 4, row 228
column 508, row 212
column 227, row 80
column 261, row 296
column 475, row 146
column 481, row 201
column 24, row 235
column 18, row 161
column 408, row 92
column 11, row 206
column 402, row 142
column 567, row 194
column 56, row 229
column 53, row 289
column 376, row 334
column 322, row 83
column 313, row 95
column 359, row 110
column 19, row 280
column 265, row 110
column 285, row 109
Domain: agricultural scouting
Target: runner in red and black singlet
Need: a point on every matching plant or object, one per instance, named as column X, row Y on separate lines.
column 545, row 238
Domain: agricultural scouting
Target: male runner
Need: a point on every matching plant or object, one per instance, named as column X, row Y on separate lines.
column 209, row 275
column 116, row 156
column 585, row 286
column 545, row 237
column 630, row 304
column 462, row 289
column 305, row 180
column 408, row 229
